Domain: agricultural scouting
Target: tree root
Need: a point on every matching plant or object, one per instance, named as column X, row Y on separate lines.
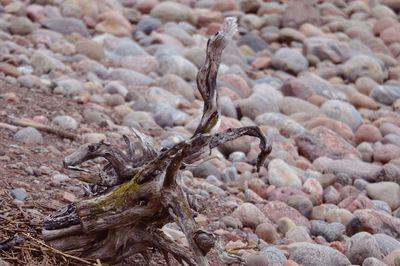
column 142, row 194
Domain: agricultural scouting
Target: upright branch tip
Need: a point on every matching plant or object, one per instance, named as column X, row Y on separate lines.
column 229, row 28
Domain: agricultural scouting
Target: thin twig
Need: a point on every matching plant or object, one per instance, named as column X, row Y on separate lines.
column 57, row 251
column 42, row 127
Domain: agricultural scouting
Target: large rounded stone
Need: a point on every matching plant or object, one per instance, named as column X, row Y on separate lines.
column 29, row 135
column 293, row 105
column 301, row 203
column 367, row 133
column 386, row 94
column 275, row 210
column 330, row 231
column 322, row 141
column 317, row 255
column 21, row 26
column 179, row 66
column 363, row 65
column 129, row 77
column 363, row 245
column 388, row 192
column 254, row 41
column 172, row 11
column 65, row 122
column 386, row 243
column 327, row 49
column 339, row 127
column 66, row 25
column 342, row 111
column 91, row 49
column 249, row 215
column 281, row 174
column 387, row 152
column 352, row 168
column 286, row 125
column 289, row 60
column 300, row 12
column 267, row 232
column 299, row 234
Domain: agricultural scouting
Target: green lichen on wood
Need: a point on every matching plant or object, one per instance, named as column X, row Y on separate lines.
column 120, row 196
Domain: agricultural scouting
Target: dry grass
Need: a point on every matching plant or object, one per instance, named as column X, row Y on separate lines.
column 14, row 222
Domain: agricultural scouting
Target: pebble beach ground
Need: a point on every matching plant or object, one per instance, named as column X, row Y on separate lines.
column 320, row 78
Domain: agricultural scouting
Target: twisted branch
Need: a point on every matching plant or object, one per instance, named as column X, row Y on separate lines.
column 142, row 193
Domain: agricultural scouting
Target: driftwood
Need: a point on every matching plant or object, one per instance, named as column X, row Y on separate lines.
column 42, row 127
column 137, row 192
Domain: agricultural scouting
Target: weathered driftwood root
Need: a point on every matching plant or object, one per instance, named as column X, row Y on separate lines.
column 142, row 193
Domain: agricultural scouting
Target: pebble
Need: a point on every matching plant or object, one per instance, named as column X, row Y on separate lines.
column 281, row 174
column 386, row 243
column 273, row 255
column 311, row 254
column 249, row 215
column 114, row 23
column 289, row 60
column 342, row 111
column 267, row 232
column 299, row 234
column 373, row 221
column 29, row 135
column 93, row 137
column 274, row 210
column 229, row 174
column 382, row 206
column 321, row 141
column 363, row 245
column 147, row 24
column 327, row 49
column 256, row 259
column 231, row 222
column 179, row 66
column 21, row 26
column 69, row 87
column 257, row 104
column 314, row 189
column 285, row 224
column 348, row 167
column 60, row 178
column 393, row 258
column 19, row 194
column 255, row 42
column 342, row 216
column 65, row 122
column 330, row 231
column 371, row 261
column 68, row 197
column 387, row 152
column 388, row 192
column 367, row 133
column 293, row 105
column 65, row 26
column 301, row 203
column 361, row 66
column 285, row 124
column 91, row 49
column 386, row 93
column 237, row 156
column 129, row 77
column 171, row 11
column 41, row 63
